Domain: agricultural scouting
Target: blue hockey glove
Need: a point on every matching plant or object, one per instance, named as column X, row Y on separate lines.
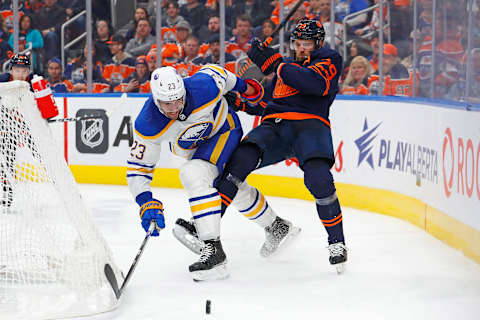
column 264, row 57
column 152, row 211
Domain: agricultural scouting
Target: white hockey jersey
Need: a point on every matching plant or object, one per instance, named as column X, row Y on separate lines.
column 205, row 116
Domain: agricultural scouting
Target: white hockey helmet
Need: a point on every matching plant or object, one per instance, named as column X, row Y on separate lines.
column 167, row 85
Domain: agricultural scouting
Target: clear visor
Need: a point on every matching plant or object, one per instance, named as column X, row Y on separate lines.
column 297, row 44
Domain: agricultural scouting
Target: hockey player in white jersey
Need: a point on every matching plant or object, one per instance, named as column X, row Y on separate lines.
column 192, row 115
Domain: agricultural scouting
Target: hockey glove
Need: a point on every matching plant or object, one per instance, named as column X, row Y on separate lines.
column 259, row 91
column 152, row 211
column 235, row 101
column 264, row 57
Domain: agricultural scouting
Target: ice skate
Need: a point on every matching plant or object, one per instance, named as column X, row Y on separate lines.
column 279, row 234
column 186, row 233
column 212, row 264
column 338, row 256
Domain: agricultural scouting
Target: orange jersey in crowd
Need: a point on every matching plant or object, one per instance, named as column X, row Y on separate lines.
column 142, row 88
column 393, row 87
column 359, row 90
column 204, row 50
column 186, row 69
column 118, row 72
column 287, row 5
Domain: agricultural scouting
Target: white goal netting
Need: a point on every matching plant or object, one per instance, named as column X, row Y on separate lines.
column 52, row 257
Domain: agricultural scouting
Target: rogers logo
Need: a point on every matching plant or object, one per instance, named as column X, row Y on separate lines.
column 464, row 164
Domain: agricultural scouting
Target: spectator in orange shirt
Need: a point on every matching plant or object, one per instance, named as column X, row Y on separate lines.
column 121, row 65
column 139, row 81
column 241, row 42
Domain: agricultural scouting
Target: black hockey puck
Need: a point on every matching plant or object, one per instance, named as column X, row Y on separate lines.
column 208, row 306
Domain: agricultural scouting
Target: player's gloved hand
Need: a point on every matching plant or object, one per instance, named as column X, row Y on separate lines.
column 235, row 101
column 255, row 97
column 152, row 211
column 264, row 57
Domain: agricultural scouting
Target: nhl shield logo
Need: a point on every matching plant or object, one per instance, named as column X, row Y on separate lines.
column 92, row 134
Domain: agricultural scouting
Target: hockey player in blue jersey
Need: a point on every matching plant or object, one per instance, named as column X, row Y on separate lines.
column 192, row 115
column 295, row 123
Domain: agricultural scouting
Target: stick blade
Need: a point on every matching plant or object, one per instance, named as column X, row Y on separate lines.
column 112, row 279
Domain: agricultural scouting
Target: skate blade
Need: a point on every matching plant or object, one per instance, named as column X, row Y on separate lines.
column 192, row 243
column 291, row 235
column 219, row 272
column 340, row 267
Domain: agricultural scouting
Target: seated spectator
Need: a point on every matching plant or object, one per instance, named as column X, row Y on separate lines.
column 58, row 84
column 397, row 80
column 4, row 30
column 191, row 49
column 74, row 69
column 213, row 7
column 142, row 41
column 173, row 17
column 183, row 32
column 48, row 19
column 319, row 10
column 121, row 65
column 214, row 57
column 287, row 6
column 103, row 35
column 238, row 45
column 31, row 38
column 139, row 80
column 195, row 13
column 375, row 45
column 258, row 10
column 213, row 27
column 267, row 30
column 458, row 90
column 152, row 61
column 79, row 80
column 140, row 13
column 356, row 81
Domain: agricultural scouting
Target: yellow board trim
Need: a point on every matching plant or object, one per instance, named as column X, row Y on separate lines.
column 453, row 232
column 207, row 205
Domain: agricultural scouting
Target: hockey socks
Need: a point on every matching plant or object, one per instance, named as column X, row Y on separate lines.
column 319, row 181
column 243, row 161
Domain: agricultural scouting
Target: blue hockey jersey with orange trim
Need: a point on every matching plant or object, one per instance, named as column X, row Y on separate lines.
column 304, row 91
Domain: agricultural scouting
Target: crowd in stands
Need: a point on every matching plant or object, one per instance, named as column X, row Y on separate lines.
column 124, row 58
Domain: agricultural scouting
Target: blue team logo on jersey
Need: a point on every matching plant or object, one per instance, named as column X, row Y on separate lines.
column 364, row 144
column 195, row 135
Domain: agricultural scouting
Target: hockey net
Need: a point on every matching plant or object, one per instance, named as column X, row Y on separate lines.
column 52, row 257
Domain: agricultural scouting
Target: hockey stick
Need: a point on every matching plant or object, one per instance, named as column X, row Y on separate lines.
column 109, row 113
column 112, row 279
column 275, row 32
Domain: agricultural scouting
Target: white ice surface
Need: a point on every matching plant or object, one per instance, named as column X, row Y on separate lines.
column 395, row 270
